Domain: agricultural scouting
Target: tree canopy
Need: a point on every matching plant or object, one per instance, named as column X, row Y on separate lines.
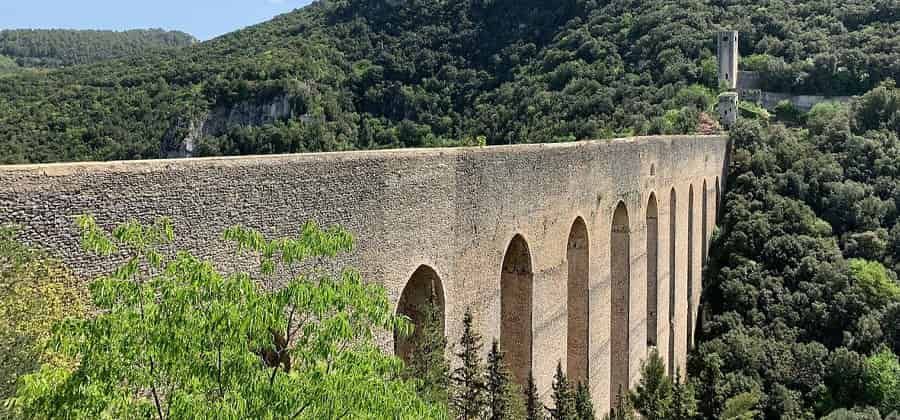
column 801, row 298
column 48, row 48
column 174, row 338
column 366, row 74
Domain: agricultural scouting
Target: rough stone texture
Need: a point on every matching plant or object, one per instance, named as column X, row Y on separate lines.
column 180, row 140
column 454, row 210
column 728, row 109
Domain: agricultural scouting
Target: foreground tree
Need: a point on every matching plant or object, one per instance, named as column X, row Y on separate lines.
column 174, row 338
column 684, row 400
column 430, row 368
column 653, row 395
column 563, row 397
column 534, row 410
column 584, row 407
column 468, row 400
column 504, row 402
column 623, row 409
column 35, row 292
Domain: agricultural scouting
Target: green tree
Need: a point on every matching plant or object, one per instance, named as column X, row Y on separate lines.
column 741, row 407
column 653, row 395
column 684, row 400
column 868, row 413
column 174, row 338
column 534, row 409
column 468, row 396
column 504, row 401
column 429, row 366
column 563, row 397
column 882, row 381
column 623, row 410
column 584, row 406
column 875, row 279
column 36, row 291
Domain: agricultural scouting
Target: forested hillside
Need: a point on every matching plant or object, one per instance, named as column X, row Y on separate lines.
column 360, row 74
column 47, row 48
column 802, row 300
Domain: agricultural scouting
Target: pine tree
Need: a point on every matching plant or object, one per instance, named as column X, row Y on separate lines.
column 684, row 400
column 468, row 379
column 584, row 407
column 653, row 395
column 623, row 409
column 563, row 397
column 534, row 410
column 501, row 394
column 429, row 366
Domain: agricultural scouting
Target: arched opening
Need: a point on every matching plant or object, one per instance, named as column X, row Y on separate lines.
column 690, row 270
column 704, row 222
column 652, row 271
column 673, row 210
column 422, row 301
column 578, row 256
column 620, row 266
column 516, row 284
column 718, row 201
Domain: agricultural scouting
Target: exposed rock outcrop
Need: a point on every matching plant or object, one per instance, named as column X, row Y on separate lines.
column 185, row 133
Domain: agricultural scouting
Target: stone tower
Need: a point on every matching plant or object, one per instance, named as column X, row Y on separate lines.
column 728, row 59
column 728, row 109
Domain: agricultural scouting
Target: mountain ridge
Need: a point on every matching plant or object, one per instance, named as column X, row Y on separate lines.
column 363, row 74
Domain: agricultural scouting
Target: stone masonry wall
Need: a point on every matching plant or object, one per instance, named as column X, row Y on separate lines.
column 454, row 210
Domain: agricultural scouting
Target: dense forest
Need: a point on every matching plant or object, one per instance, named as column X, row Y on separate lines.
column 49, row 48
column 362, row 74
column 802, row 299
column 801, row 302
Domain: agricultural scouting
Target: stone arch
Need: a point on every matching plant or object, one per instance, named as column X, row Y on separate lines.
column 718, row 211
column 423, row 289
column 516, row 289
column 690, row 269
column 704, row 225
column 652, row 220
column 620, row 269
column 673, row 212
column 578, row 257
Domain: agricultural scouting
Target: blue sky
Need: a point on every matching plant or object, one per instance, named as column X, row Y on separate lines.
column 204, row 19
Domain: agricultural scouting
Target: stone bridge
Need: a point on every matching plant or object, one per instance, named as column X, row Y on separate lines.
column 582, row 253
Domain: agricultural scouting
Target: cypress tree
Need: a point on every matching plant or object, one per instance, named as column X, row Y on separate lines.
column 623, row 409
column 468, row 379
column 653, row 395
column 584, row 407
column 684, row 400
column 563, row 397
column 429, row 365
column 533, row 407
column 501, row 393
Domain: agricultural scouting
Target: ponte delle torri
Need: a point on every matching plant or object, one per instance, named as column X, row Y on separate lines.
column 583, row 253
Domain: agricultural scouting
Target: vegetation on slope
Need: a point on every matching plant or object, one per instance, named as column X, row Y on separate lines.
column 172, row 337
column 364, row 74
column 801, row 304
column 48, row 48
column 35, row 292
column 801, row 309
